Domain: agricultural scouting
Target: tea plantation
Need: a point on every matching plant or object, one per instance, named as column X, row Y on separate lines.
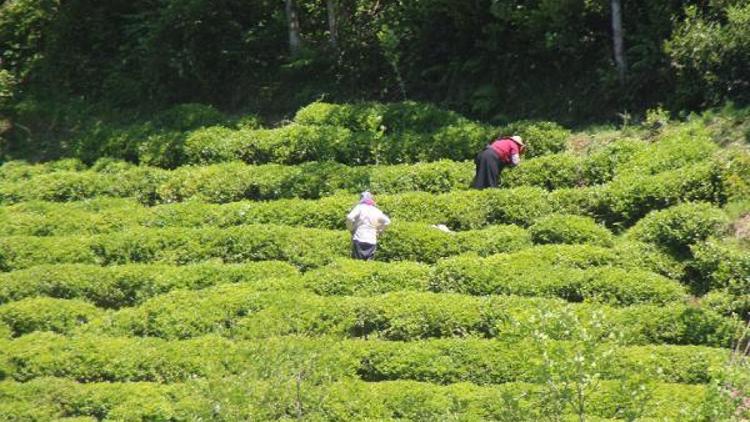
column 204, row 275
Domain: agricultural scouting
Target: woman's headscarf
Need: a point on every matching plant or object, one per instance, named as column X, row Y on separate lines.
column 366, row 198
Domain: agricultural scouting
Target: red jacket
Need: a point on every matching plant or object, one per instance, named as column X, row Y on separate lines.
column 505, row 149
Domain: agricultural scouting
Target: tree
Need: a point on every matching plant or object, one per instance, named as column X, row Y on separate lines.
column 295, row 40
column 332, row 27
column 618, row 40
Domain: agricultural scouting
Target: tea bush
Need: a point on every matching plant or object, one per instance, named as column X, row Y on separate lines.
column 506, row 274
column 569, row 229
column 46, row 314
column 678, row 227
column 128, row 285
column 442, row 361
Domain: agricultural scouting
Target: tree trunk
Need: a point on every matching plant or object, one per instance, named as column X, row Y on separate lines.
column 295, row 40
column 619, row 43
column 332, row 22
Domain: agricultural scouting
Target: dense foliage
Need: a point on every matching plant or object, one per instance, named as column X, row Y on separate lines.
column 196, row 267
column 494, row 60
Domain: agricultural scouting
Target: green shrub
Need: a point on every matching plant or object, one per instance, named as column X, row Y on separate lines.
column 178, row 246
column 523, row 275
column 128, row 285
column 443, row 361
column 51, row 398
column 58, row 186
column 735, row 168
column 585, row 201
column 112, row 359
column 434, row 177
column 47, row 398
column 463, row 210
column 726, row 303
column 601, row 165
column 554, row 171
column 295, row 144
column 38, row 218
column 234, row 181
column 719, row 265
column 211, row 145
column 356, row 117
column 448, row 361
column 682, row 147
column 183, row 117
column 350, row 277
column 13, row 171
column 302, row 247
column 366, row 133
column 569, row 229
column 46, row 314
column 18, row 252
column 182, row 314
column 493, row 240
column 677, row 325
column 628, row 198
column 393, row 117
column 649, row 256
column 678, row 227
column 540, row 137
column 241, row 311
column 418, row 242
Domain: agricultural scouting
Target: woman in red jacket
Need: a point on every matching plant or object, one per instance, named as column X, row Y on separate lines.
column 489, row 163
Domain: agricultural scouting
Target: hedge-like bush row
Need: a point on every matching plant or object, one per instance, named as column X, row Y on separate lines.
column 620, row 202
column 237, row 399
column 303, row 247
column 13, row 171
column 235, row 181
column 242, row 312
column 46, row 314
column 448, row 361
column 621, row 273
column 300, row 246
column 103, row 215
column 346, row 277
column 506, row 274
column 728, row 303
column 366, row 134
column 128, row 285
column 47, row 399
column 333, row 140
column 628, row 198
column 616, row 204
column 735, row 164
column 557, row 228
column 678, row 227
column 718, row 265
column 311, row 180
column 67, row 180
column 676, row 149
column 443, row 361
column 572, row 272
column 627, row 255
column 460, row 210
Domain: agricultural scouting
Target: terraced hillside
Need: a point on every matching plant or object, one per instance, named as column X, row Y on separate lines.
column 607, row 278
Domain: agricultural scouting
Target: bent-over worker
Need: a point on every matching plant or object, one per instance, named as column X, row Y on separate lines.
column 499, row 154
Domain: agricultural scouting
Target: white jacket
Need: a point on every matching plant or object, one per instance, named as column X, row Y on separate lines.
column 366, row 222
